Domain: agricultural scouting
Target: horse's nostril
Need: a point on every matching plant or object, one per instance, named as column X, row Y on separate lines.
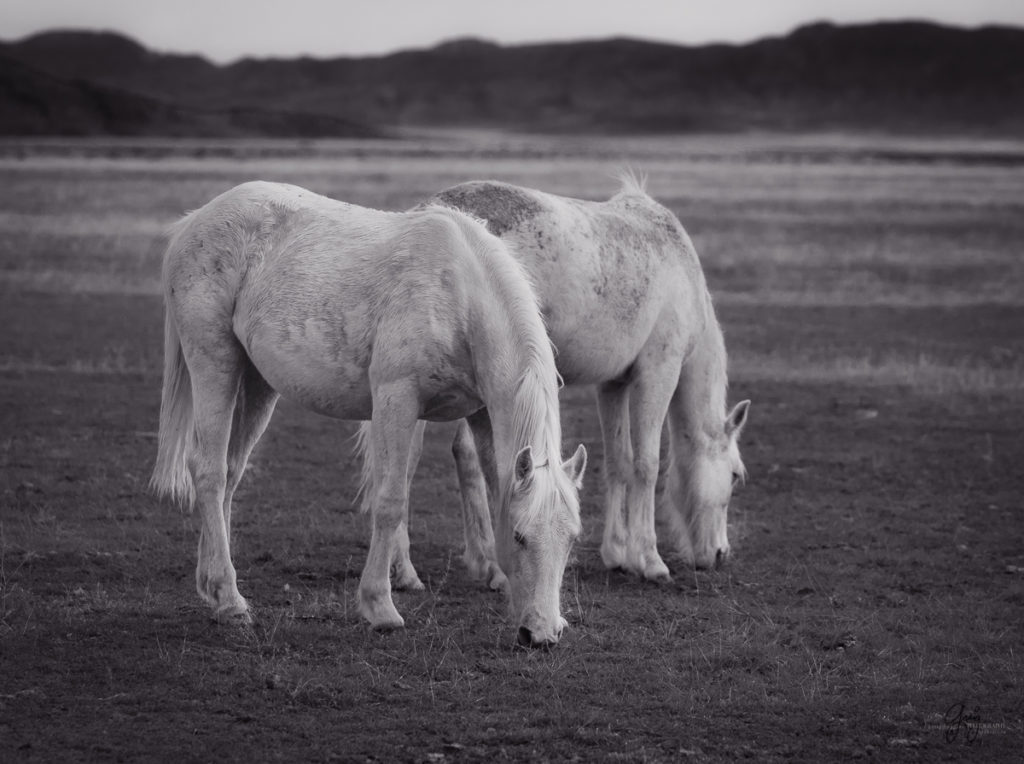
column 719, row 559
column 524, row 637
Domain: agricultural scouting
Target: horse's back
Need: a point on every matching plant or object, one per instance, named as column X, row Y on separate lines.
column 318, row 292
column 609, row 275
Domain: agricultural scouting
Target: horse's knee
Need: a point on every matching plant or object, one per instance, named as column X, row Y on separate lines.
column 645, row 469
column 618, row 466
column 388, row 511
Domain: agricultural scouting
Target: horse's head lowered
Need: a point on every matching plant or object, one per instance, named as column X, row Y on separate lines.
column 715, row 468
column 537, row 524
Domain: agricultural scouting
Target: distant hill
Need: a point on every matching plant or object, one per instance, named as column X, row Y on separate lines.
column 34, row 102
column 111, row 59
column 901, row 76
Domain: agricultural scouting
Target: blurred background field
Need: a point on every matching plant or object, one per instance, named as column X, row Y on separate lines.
column 887, row 259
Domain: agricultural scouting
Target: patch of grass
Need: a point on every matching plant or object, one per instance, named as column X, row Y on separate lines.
column 921, row 373
column 63, row 282
column 113, row 360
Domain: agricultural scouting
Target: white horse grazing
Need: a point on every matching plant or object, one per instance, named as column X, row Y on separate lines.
column 360, row 314
column 628, row 309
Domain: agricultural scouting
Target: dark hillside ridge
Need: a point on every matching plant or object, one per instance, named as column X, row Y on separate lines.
column 898, row 76
column 35, row 103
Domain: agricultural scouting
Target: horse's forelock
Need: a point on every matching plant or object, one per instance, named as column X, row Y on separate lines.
column 550, row 487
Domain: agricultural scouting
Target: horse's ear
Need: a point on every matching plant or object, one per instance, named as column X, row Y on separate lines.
column 575, row 466
column 524, row 465
column 736, row 419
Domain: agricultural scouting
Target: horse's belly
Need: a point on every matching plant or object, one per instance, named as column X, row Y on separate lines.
column 601, row 309
column 310, row 371
column 591, row 352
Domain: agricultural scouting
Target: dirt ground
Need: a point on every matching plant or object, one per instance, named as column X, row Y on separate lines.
column 874, row 607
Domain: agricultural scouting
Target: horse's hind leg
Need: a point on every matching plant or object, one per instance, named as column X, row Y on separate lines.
column 405, row 574
column 613, row 408
column 479, row 556
column 216, row 370
column 395, row 412
column 253, row 409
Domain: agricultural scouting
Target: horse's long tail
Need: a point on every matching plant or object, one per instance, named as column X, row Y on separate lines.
column 171, row 476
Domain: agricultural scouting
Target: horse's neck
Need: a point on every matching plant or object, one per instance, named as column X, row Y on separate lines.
column 516, row 373
column 703, row 379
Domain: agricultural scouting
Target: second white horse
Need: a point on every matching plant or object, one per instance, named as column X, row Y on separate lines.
column 627, row 307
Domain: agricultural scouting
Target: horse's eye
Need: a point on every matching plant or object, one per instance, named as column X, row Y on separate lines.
column 735, row 479
column 519, row 539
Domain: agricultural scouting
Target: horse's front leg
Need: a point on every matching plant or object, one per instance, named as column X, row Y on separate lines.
column 405, row 574
column 395, row 411
column 650, row 391
column 479, row 557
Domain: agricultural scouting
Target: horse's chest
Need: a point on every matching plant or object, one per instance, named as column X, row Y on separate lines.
column 448, row 393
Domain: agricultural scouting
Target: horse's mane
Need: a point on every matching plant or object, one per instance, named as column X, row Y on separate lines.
column 533, row 425
column 535, row 419
column 703, row 397
column 718, row 361
column 535, row 416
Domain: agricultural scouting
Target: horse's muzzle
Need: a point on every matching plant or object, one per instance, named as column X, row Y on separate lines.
column 526, row 638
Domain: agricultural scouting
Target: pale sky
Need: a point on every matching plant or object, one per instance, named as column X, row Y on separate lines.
column 224, row 30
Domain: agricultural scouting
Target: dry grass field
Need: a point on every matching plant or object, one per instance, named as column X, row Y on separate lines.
column 872, row 293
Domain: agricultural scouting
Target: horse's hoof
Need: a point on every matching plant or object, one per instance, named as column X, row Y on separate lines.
column 383, row 627
column 658, row 576
column 410, row 584
column 653, row 568
column 380, row 611
column 613, row 557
